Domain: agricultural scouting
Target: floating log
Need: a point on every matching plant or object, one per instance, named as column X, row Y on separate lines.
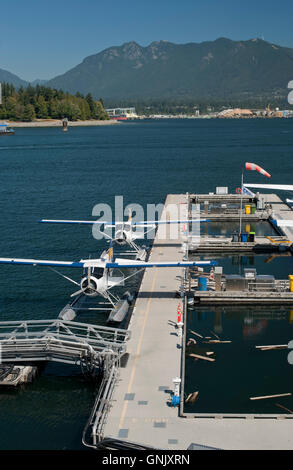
column 208, row 337
column 284, row 408
column 272, row 346
column 271, row 396
column 198, row 356
column 192, row 340
column 216, row 341
column 210, row 353
column 196, row 334
column 192, row 397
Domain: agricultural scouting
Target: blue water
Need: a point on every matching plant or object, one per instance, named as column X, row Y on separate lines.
column 46, row 173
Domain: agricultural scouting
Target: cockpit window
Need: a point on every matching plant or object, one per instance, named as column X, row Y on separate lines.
column 98, row 272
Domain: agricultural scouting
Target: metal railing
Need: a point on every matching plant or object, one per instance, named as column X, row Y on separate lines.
column 277, row 285
column 60, row 341
column 97, row 419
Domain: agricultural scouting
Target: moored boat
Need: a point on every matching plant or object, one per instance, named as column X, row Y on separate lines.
column 5, row 130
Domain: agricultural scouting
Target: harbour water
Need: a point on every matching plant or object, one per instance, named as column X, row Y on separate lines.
column 46, row 173
column 240, row 371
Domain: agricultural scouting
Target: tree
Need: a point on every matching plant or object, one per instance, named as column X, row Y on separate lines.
column 85, row 112
column 43, row 102
column 53, row 109
column 28, row 113
column 11, row 108
column 41, row 108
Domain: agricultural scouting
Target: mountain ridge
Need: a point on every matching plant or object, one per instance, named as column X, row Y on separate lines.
column 8, row 77
column 221, row 68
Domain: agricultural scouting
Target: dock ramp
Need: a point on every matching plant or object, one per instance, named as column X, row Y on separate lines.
column 60, row 341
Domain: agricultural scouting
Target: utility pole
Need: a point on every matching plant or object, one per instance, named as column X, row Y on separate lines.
column 240, row 220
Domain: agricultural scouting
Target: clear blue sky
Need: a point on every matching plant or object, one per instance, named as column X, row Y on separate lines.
column 42, row 39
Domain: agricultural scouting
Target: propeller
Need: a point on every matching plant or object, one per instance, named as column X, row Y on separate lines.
column 88, row 286
column 80, row 291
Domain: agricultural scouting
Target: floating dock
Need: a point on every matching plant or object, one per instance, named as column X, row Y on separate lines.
column 12, row 375
column 140, row 405
column 227, row 207
column 243, row 297
column 221, row 244
column 213, row 198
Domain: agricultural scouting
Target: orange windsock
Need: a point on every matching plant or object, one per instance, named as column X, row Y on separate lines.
column 253, row 166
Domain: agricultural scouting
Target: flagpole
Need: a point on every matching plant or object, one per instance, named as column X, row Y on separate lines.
column 240, row 220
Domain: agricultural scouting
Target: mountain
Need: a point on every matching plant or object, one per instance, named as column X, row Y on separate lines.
column 38, row 81
column 8, row 77
column 222, row 68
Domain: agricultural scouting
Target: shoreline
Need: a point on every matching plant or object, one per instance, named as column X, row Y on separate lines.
column 58, row 123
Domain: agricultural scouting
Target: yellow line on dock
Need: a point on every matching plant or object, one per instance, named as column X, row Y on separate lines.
column 138, row 350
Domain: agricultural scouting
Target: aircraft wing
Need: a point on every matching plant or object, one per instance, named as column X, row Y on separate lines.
column 84, row 222
column 117, row 263
column 113, row 224
column 124, row 263
column 283, row 187
column 41, row 262
column 284, row 223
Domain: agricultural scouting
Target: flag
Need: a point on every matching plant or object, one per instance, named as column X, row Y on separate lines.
column 247, row 191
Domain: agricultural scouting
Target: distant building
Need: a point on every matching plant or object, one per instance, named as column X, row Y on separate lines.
column 122, row 113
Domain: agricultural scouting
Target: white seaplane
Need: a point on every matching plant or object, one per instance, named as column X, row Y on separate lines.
column 99, row 277
column 126, row 232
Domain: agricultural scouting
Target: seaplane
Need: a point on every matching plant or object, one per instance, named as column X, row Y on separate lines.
column 99, row 274
column 126, row 233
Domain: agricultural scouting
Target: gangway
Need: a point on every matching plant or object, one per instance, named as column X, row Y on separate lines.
column 60, row 341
